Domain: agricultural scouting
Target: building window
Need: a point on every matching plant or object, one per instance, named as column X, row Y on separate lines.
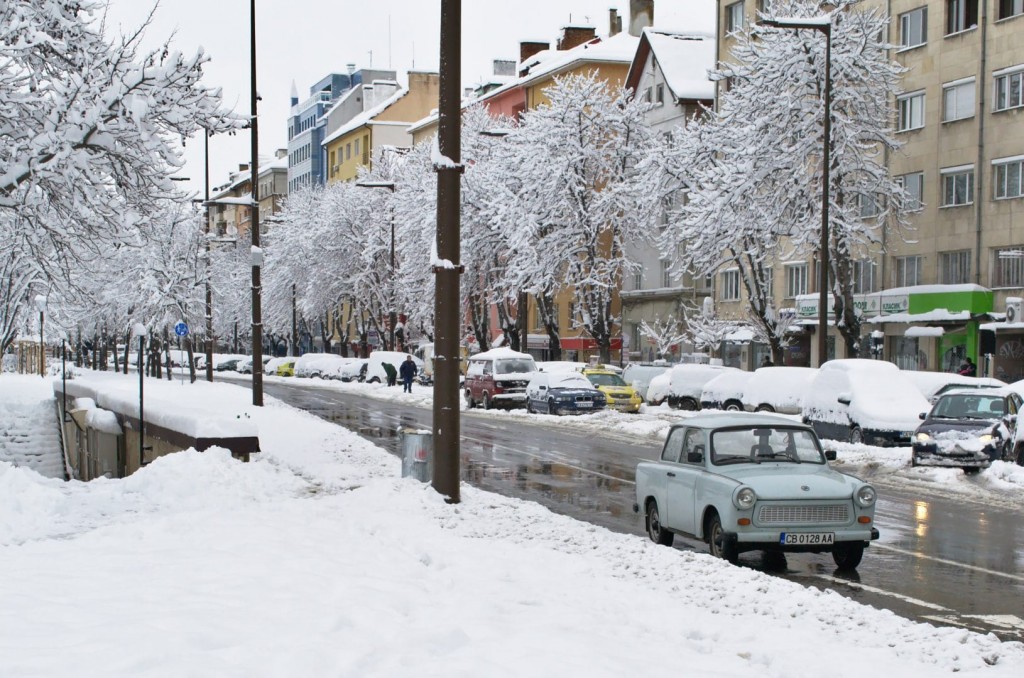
column 913, row 186
column 647, row 95
column 730, row 285
column 868, row 205
column 955, row 267
column 907, row 271
column 796, row 280
column 961, row 15
column 1008, row 177
column 914, row 27
column 666, row 275
column 1008, row 268
column 911, row 111
column 356, row 149
column 1009, row 86
column 958, row 100
column 659, row 97
column 958, row 186
column 348, row 151
column 863, row 276
column 638, row 280
column 769, row 282
column 1008, row 8
column 734, row 17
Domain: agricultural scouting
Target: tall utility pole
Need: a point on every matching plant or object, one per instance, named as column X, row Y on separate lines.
column 823, row 24
column 209, row 291
column 448, row 267
column 254, row 225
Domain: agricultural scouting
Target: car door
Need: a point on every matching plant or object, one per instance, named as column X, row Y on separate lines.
column 682, row 479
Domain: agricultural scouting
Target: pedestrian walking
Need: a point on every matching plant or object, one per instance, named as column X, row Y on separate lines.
column 408, row 370
column 389, row 370
column 968, row 368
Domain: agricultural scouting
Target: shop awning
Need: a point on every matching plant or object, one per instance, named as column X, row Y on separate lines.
column 924, row 332
column 939, row 315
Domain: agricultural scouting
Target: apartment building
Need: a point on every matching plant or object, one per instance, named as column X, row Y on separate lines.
column 931, row 297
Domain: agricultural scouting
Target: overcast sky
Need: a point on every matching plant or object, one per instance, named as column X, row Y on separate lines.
column 303, row 40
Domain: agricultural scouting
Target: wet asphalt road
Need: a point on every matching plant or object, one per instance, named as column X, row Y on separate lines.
column 944, row 560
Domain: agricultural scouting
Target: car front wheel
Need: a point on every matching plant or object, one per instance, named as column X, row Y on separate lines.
column 688, row 404
column 470, row 403
column 552, row 408
column 717, row 544
column 848, row 556
column 529, row 406
column 733, row 406
column 487, row 402
column 655, row 531
column 763, row 407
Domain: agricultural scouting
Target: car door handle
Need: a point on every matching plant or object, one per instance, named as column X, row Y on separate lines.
column 670, row 474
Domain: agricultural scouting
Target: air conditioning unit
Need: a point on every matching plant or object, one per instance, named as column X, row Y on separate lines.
column 1013, row 309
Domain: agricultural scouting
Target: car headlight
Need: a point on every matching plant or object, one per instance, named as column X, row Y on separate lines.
column 923, row 437
column 986, row 438
column 866, row 496
column 745, row 498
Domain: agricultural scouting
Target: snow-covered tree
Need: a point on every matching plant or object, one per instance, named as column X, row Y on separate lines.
column 755, row 167
column 706, row 329
column 578, row 199
column 665, row 333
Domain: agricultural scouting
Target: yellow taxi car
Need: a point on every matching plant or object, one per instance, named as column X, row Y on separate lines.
column 286, row 369
column 620, row 395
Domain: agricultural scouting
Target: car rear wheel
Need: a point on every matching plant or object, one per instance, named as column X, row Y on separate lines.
column 856, row 436
column 470, row 403
column 552, row 408
column 688, row 404
column 487, row 402
column 529, row 406
column 733, row 406
column 717, row 545
column 764, row 407
column 848, row 556
column 375, row 380
column 655, row 531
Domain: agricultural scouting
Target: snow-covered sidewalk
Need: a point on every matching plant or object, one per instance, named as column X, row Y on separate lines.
column 316, row 559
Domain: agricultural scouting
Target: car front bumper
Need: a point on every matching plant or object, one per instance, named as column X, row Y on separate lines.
column 953, row 456
column 759, row 539
column 509, row 399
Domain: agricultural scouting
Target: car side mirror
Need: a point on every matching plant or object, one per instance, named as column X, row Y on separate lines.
column 922, row 416
column 542, row 387
column 830, row 455
column 844, row 399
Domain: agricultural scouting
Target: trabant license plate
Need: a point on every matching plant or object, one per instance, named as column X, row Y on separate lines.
column 807, row 538
column 584, row 403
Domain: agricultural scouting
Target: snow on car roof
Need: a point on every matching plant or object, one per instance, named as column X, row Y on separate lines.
column 737, row 419
column 500, row 353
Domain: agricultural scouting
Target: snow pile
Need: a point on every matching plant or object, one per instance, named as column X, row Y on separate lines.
column 29, row 432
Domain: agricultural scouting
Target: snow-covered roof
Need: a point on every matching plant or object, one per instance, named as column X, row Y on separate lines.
column 684, row 59
column 239, row 178
column 924, row 332
column 365, row 117
column 500, row 353
column 619, row 48
column 939, row 315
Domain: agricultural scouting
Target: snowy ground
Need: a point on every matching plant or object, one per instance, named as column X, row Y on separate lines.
column 316, row 559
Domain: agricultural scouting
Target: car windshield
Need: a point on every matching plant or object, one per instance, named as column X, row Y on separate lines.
column 514, row 366
column 765, row 443
column 606, row 380
column 968, row 406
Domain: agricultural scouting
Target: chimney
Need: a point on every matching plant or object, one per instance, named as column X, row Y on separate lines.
column 641, row 15
column 351, row 68
column 614, row 22
column 467, row 92
column 573, row 36
column 243, row 166
column 528, row 49
column 504, row 67
column 280, row 153
column 295, row 95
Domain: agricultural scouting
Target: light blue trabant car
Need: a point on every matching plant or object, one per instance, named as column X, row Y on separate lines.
column 745, row 482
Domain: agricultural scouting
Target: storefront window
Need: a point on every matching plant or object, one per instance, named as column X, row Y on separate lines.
column 907, row 354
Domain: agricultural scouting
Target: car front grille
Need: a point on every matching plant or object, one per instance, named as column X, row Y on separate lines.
column 620, row 396
column 790, row 514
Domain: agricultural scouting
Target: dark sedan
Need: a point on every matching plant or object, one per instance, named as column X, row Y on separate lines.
column 968, row 429
column 563, row 393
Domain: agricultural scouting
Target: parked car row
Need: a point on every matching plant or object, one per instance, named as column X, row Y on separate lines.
column 321, row 366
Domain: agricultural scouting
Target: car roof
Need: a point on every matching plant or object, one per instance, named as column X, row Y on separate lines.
column 726, row 419
column 979, row 391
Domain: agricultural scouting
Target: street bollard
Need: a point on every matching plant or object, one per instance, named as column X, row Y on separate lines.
column 417, row 454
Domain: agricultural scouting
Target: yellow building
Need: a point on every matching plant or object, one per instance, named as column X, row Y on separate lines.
column 359, row 141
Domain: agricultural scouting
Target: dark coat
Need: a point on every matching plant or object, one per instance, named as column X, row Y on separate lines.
column 408, row 369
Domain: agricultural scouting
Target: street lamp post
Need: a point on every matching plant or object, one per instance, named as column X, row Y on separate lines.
column 254, row 225
column 140, row 331
column 392, row 313
column 209, row 291
column 40, row 302
column 823, row 24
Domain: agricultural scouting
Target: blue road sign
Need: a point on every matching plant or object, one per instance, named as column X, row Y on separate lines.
column 181, row 329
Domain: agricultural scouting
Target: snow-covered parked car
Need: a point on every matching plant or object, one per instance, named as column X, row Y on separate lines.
column 639, row 376
column 557, row 366
column 863, row 401
column 658, row 388
column 725, row 392
column 498, row 377
column 317, row 365
column 744, row 482
column 934, row 384
column 778, row 389
column 686, row 383
column 563, row 393
column 969, row 429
